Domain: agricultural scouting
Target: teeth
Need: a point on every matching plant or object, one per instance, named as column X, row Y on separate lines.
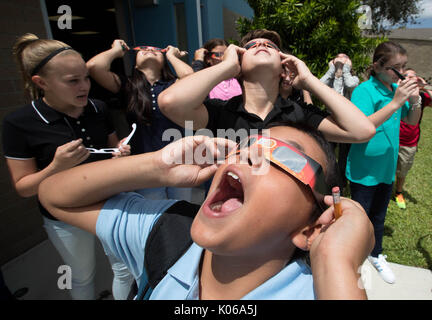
column 234, row 176
column 216, row 206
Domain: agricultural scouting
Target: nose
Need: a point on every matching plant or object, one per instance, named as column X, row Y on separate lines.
column 85, row 85
column 261, row 43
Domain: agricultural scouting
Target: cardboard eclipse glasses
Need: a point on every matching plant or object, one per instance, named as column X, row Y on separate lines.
column 266, row 43
column 293, row 162
column 148, row 48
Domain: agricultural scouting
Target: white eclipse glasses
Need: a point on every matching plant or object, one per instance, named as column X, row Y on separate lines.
column 112, row 150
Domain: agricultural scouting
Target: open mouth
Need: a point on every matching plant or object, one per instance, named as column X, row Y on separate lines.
column 227, row 197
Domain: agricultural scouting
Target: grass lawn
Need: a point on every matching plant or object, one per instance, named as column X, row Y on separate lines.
column 408, row 233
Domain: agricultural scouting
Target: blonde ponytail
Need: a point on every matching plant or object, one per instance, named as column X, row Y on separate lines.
column 29, row 51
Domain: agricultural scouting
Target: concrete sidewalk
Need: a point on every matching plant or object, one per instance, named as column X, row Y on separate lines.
column 37, row 270
column 411, row 283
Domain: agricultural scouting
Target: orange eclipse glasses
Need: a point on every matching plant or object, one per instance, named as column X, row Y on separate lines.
column 149, row 48
column 216, row 55
column 266, row 43
column 292, row 161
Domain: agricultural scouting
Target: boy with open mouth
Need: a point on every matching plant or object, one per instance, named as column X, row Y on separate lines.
column 247, row 232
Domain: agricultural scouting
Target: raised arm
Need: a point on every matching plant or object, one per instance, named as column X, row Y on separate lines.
column 350, row 81
column 100, row 65
column 181, row 68
column 76, row 196
column 329, row 75
column 183, row 101
column 347, row 123
column 407, row 90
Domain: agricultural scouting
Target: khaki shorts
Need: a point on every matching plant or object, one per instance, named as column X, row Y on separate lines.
column 405, row 160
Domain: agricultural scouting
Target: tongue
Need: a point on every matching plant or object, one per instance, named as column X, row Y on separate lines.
column 231, row 205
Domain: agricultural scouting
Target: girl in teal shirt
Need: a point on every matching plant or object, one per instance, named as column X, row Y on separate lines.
column 371, row 166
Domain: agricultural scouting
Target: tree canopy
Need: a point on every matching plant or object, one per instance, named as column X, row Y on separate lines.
column 387, row 13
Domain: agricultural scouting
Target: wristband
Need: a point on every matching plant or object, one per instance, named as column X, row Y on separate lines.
column 417, row 105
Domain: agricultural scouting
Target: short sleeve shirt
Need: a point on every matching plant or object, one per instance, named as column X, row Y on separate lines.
column 36, row 130
column 231, row 114
column 374, row 162
column 123, row 226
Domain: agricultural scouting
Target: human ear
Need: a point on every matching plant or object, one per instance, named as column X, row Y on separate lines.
column 304, row 238
column 377, row 67
column 39, row 82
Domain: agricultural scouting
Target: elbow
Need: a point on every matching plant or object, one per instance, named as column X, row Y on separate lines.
column 166, row 102
column 25, row 193
column 367, row 133
column 90, row 65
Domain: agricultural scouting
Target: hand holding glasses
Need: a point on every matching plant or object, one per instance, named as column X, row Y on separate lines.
column 113, row 150
column 422, row 85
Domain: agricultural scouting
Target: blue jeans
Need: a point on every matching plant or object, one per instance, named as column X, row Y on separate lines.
column 375, row 200
column 77, row 249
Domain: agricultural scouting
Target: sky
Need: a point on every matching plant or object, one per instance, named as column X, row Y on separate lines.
column 425, row 18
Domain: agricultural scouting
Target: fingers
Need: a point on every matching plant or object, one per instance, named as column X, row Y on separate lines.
column 232, row 51
column 71, row 154
column 120, row 43
column 222, row 147
column 73, row 145
column 124, row 150
column 346, row 205
column 408, row 88
column 82, row 156
column 207, row 150
column 200, row 54
column 80, row 152
column 205, row 174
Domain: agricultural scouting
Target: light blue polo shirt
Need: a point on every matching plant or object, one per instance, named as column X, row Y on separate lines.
column 374, row 162
column 123, row 226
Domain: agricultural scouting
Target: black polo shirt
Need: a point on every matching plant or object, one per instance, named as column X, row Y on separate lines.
column 36, row 130
column 148, row 138
column 231, row 114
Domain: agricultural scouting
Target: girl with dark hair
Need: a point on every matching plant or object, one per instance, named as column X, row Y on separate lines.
column 139, row 95
column 209, row 55
column 150, row 76
column 52, row 134
column 371, row 166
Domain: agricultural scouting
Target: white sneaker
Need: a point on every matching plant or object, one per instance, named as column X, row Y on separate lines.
column 383, row 268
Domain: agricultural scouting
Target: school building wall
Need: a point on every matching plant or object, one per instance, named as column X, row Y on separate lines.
column 20, row 220
column 418, row 56
column 162, row 24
